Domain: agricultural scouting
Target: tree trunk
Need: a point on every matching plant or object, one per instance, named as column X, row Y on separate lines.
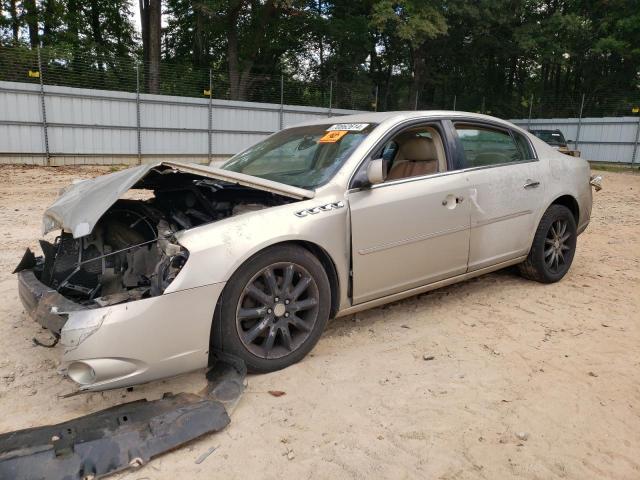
column 419, row 77
column 51, row 21
column 387, row 89
column 233, row 52
column 151, row 22
column 199, row 40
column 321, row 48
column 513, row 64
column 144, row 25
column 96, row 31
column 31, row 16
column 241, row 63
column 155, row 33
column 245, row 82
column 15, row 21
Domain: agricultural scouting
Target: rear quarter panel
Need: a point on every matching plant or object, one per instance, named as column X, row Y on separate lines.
column 566, row 175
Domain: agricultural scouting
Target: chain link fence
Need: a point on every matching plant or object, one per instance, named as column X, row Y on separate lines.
column 186, row 80
column 614, row 140
column 66, row 68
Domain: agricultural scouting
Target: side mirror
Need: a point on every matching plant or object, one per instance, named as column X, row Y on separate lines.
column 375, row 171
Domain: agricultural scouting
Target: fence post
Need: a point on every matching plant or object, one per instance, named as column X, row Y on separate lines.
column 45, row 130
column 415, row 107
column 210, row 120
column 330, row 98
column 138, row 113
column 281, row 102
column 482, row 108
column 530, row 110
column 455, row 98
column 579, row 123
column 635, row 145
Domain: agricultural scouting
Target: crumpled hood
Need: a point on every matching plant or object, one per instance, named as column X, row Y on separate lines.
column 80, row 206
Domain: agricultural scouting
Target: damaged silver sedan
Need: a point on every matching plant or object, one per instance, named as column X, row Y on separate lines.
column 316, row 221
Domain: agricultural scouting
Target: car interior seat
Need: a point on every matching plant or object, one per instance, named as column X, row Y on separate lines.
column 417, row 156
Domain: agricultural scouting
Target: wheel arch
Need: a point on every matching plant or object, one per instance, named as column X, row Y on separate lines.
column 329, row 267
column 571, row 203
column 317, row 251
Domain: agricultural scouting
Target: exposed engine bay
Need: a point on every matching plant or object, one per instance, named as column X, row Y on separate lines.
column 131, row 253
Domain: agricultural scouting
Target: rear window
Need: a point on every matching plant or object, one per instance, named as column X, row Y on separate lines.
column 523, row 146
column 485, row 146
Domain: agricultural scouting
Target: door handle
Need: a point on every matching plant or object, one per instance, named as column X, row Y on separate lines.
column 450, row 201
column 531, row 184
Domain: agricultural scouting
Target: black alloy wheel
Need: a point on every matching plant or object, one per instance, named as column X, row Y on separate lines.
column 557, row 244
column 273, row 309
column 553, row 247
column 277, row 310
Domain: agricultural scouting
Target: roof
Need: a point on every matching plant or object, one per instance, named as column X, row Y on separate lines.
column 379, row 117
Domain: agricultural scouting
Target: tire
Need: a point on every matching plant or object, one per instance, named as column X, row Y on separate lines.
column 553, row 247
column 272, row 320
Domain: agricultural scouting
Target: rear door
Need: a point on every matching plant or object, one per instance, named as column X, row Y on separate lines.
column 506, row 192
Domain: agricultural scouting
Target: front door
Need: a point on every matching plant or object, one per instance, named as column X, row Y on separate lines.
column 413, row 229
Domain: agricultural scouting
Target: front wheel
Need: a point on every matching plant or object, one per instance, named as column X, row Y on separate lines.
column 553, row 248
column 273, row 309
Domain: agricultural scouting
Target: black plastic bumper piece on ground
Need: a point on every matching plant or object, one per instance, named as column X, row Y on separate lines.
column 121, row 437
column 105, row 442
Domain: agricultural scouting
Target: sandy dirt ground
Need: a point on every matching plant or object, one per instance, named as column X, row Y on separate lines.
column 527, row 380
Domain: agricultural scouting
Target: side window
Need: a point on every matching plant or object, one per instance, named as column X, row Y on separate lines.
column 415, row 152
column 485, row 146
column 524, row 147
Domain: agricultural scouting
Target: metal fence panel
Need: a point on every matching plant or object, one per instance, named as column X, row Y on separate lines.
column 158, row 115
column 158, row 142
column 19, row 107
column 66, row 109
column 94, row 126
column 21, row 138
column 70, row 140
column 100, row 126
column 605, row 139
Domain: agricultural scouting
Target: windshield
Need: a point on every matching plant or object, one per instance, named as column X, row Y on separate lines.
column 552, row 137
column 304, row 157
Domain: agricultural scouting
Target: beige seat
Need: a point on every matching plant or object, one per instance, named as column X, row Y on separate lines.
column 417, row 156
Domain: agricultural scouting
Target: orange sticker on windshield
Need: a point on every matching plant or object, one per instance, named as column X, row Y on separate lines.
column 333, row 136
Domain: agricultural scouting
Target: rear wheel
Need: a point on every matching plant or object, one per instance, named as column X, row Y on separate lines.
column 273, row 309
column 553, row 248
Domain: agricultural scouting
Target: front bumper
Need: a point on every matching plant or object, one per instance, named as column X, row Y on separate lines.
column 128, row 343
column 39, row 300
